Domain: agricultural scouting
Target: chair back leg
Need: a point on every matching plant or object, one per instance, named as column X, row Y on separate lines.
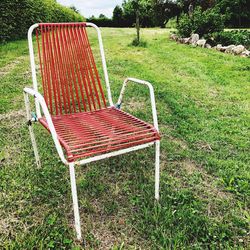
column 75, row 200
column 157, row 169
column 32, row 135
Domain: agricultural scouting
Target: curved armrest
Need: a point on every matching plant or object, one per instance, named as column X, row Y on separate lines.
column 152, row 97
column 47, row 115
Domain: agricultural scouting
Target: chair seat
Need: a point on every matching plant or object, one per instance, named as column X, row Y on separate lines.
column 93, row 133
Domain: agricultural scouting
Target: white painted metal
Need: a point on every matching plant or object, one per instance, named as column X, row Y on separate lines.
column 114, row 153
column 33, row 66
column 154, row 113
column 152, row 96
column 75, row 200
column 32, row 135
column 157, row 169
column 46, row 113
column 104, row 65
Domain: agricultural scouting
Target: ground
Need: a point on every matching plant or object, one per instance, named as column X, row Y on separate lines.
column 203, row 110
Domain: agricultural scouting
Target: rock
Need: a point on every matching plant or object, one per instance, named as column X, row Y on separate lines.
column 229, row 48
column 208, row 46
column 223, row 48
column 186, row 40
column 238, row 49
column 218, row 47
column 201, row 43
column 194, row 39
column 174, row 37
column 245, row 53
column 180, row 39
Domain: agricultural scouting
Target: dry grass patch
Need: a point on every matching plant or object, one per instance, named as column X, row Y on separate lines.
column 10, row 66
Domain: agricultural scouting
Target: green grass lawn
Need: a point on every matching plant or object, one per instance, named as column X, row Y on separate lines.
column 203, row 99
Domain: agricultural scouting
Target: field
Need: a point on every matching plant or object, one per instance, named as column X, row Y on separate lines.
column 203, row 109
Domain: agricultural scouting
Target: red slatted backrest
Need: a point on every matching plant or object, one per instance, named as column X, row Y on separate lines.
column 69, row 76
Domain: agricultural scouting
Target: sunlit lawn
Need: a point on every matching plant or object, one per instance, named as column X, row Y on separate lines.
column 203, row 110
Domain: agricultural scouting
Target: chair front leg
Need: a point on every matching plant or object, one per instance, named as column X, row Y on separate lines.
column 32, row 135
column 157, row 169
column 75, row 200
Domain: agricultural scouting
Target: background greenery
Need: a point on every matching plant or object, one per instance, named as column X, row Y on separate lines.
column 203, row 110
column 18, row 15
column 236, row 14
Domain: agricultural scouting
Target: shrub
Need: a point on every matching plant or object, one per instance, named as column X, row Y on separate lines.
column 201, row 22
column 137, row 43
column 18, row 15
column 101, row 21
column 235, row 37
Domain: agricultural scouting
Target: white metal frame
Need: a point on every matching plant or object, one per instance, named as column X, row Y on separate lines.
column 40, row 103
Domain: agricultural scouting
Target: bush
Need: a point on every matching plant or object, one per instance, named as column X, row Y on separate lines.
column 201, row 22
column 101, row 21
column 18, row 15
column 235, row 37
column 137, row 43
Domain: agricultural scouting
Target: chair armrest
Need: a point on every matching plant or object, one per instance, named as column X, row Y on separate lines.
column 152, row 97
column 42, row 103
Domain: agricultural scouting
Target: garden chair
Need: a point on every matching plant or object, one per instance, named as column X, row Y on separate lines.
column 84, row 125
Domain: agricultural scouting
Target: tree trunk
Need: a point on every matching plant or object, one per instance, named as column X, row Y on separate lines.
column 137, row 25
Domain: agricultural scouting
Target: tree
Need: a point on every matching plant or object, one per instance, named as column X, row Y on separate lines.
column 145, row 12
column 164, row 10
column 74, row 9
column 202, row 22
column 136, row 6
column 102, row 16
column 204, row 4
column 237, row 12
column 118, row 16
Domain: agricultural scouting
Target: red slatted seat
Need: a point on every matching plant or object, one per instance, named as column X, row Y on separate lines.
column 91, row 133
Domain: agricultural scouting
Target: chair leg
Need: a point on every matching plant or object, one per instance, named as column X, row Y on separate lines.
column 157, row 169
column 32, row 135
column 33, row 140
column 75, row 200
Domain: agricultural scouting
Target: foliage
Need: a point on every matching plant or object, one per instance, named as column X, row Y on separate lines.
column 204, row 4
column 201, row 22
column 164, row 10
column 17, row 16
column 72, row 7
column 139, row 43
column 118, row 18
column 101, row 21
column 235, row 37
column 145, row 12
column 237, row 12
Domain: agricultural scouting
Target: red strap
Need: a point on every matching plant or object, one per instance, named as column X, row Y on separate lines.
column 70, row 79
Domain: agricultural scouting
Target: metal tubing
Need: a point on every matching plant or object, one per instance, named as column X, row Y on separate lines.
column 41, row 102
column 104, row 65
column 115, row 153
column 152, row 96
column 75, row 201
column 32, row 135
column 157, row 169
column 33, row 67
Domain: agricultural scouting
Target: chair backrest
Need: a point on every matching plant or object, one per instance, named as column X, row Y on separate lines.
column 69, row 75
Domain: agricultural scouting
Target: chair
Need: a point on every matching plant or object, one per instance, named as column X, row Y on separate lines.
column 84, row 125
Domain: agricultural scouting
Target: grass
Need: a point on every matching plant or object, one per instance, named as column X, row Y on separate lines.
column 203, row 110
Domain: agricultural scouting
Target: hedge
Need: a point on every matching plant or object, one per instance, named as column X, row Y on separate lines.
column 18, row 15
column 235, row 37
